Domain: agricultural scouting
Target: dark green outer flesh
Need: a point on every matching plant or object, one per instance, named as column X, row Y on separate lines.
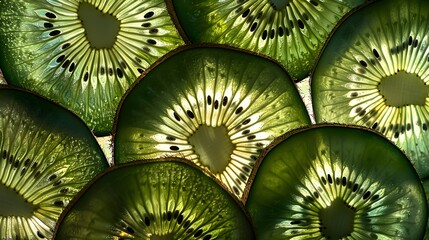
column 283, row 202
column 30, row 53
column 378, row 41
column 47, row 155
column 305, row 26
column 147, row 126
column 166, row 197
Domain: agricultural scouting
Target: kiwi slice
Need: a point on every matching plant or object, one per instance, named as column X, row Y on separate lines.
column 155, row 199
column 292, row 32
column 374, row 72
column 426, row 187
column 83, row 54
column 215, row 106
column 336, row 182
column 47, row 155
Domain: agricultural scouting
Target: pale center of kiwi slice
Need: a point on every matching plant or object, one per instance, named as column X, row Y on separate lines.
column 402, row 89
column 13, row 204
column 279, row 4
column 101, row 29
column 337, row 219
column 214, row 147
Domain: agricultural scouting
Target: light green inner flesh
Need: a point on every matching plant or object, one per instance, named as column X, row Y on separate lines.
column 403, row 89
column 337, row 219
column 101, row 29
column 12, row 204
column 279, row 4
column 213, row 146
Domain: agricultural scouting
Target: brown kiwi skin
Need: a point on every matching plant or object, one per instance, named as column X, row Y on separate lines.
column 176, row 22
column 176, row 51
column 287, row 135
column 73, row 202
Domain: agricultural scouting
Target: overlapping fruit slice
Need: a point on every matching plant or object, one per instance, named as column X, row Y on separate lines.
column 215, row 106
column 47, row 155
column 161, row 199
column 292, row 32
column 83, row 54
column 375, row 72
column 336, row 182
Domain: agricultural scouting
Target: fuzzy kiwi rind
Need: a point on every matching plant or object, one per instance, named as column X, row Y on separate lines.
column 376, row 49
column 169, row 197
column 306, row 169
column 292, row 32
column 47, row 155
column 205, row 87
column 45, row 48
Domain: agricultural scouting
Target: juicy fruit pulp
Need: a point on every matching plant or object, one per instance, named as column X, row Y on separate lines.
column 374, row 72
column 312, row 178
column 155, row 200
column 215, row 106
column 83, row 55
column 292, row 32
column 46, row 156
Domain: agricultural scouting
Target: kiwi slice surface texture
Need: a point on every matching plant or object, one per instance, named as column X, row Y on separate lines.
column 334, row 182
column 162, row 199
column 290, row 31
column 374, row 72
column 47, row 155
column 83, row 54
column 215, row 106
column 426, row 187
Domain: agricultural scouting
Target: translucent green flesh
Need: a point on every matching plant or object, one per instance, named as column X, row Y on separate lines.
column 101, row 29
column 202, row 88
column 158, row 200
column 322, row 167
column 388, row 38
column 213, row 146
column 46, row 49
column 337, row 220
column 292, row 32
column 403, row 89
column 13, row 204
column 46, row 156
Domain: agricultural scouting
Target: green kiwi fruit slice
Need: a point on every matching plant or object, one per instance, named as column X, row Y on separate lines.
column 83, row 54
column 47, row 155
column 215, row 106
column 290, row 31
column 155, row 199
column 426, row 187
column 375, row 72
column 336, row 182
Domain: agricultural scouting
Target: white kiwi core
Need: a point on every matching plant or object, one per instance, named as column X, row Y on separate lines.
column 279, row 4
column 13, row 204
column 101, row 29
column 213, row 146
column 404, row 89
column 337, row 220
